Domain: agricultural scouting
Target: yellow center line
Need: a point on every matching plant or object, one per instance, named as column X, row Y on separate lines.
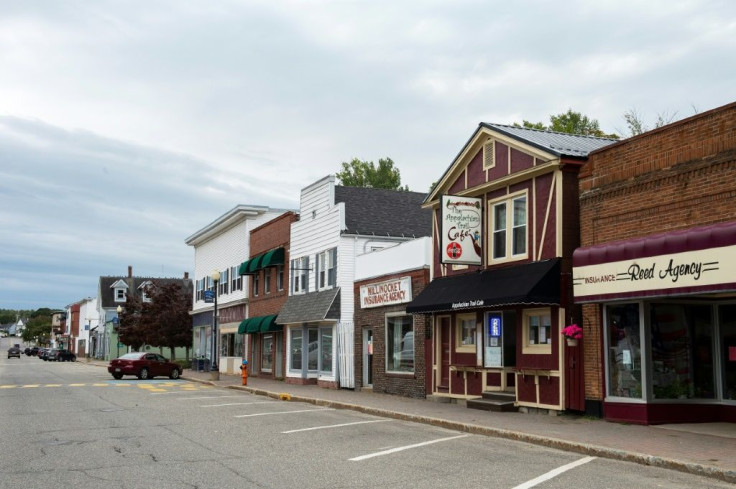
column 100, row 385
column 7, row 386
column 29, row 385
column 121, row 385
column 52, row 385
column 77, row 385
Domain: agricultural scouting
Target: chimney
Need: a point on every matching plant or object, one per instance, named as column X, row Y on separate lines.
column 186, row 275
column 130, row 271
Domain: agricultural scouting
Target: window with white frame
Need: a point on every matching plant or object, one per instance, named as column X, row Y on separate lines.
column 299, row 272
column 200, row 290
column 236, row 280
column 145, row 289
column 266, row 280
column 120, row 294
column 509, row 226
column 327, row 269
column 255, row 284
column 224, row 283
column 210, row 284
column 400, row 343
column 279, row 277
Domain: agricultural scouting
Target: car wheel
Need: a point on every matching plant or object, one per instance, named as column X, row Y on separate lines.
column 117, row 376
column 174, row 374
column 143, row 374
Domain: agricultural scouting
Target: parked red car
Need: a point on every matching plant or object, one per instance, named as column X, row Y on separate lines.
column 144, row 366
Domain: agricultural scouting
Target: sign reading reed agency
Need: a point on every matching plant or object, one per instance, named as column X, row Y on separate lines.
column 461, row 230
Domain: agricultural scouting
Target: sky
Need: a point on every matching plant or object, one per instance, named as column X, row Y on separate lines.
column 126, row 127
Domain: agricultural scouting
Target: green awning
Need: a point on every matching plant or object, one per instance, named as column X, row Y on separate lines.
column 273, row 258
column 254, row 264
column 254, row 325
column 243, row 269
column 268, row 324
column 242, row 326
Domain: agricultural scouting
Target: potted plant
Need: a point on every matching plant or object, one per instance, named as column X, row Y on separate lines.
column 572, row 334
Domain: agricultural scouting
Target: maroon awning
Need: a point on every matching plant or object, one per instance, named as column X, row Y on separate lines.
column 691, row 261
column 700, row 238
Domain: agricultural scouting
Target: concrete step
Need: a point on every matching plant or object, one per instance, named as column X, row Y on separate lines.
column 494, row 401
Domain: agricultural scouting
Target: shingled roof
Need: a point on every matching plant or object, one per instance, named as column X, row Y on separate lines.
column 107, row 293
column 557, row 143
column 382, row 212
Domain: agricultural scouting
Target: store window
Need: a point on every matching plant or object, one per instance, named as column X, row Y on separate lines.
column 682, row 351
column 279, row 277
column 624, row 351
column 325, row 344
column 537, row 332
column 295, row 347
column 727, row 319
column 267, row 353
column 465, row 333
column 400, row 343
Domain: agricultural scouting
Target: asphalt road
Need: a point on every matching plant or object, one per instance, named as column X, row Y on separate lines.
column 72, row 425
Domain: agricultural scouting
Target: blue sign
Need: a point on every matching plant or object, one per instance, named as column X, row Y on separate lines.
column 495, row 325
column 209, row 296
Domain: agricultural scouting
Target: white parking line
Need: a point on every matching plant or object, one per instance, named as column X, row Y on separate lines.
column 203, row 397
column 554, row 473
column 284, row 412
column 235, row 404
column 399, row 449
column 334, row 426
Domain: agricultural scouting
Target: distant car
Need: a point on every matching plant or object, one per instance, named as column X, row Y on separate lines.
column 32, row 351
column 43, row 353
column 64, row 356
column 13, row 351
column 144, row 366
column 51, row 355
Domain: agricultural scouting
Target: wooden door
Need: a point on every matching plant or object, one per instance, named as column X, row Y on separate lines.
column 574, row 379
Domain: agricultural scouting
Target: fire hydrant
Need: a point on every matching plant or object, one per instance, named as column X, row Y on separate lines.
column 244, row 372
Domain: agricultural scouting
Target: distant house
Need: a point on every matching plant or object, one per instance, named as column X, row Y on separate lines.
column 113, row 292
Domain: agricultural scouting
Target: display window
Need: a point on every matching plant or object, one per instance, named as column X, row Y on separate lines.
column 400, row 344
column 465, row 326
column 537, row 331
column 624, row 351
column 267, row 353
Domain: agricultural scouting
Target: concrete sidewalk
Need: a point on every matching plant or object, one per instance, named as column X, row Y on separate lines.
column 703, row 449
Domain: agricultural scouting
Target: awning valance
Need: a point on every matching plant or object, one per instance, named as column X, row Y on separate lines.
column 536, row 283
column 268, row 259
column 690, row 261
column 259, row 324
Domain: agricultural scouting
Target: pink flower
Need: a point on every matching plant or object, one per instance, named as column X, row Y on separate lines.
column 572, row 331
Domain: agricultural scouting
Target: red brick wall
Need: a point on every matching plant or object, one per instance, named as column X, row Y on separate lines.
column 676, row 177
column 375, row 318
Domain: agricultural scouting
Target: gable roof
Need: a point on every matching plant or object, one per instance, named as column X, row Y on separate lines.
column 555, row 144
column 107, row 292
column 383, row 212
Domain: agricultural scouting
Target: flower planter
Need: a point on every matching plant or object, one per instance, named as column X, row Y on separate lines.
column 572, row 342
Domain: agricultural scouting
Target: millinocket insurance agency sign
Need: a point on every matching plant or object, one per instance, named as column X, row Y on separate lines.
column 690, row 272
column 461, row 228
column 395, row 291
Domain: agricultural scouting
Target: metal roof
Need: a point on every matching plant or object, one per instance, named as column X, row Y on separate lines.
column 558, row 143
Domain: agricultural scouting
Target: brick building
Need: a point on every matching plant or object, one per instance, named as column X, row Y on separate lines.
column 391, row 346
column 269, row 280
column 657, row 273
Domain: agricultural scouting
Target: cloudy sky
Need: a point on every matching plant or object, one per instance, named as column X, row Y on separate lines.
column 127, row 126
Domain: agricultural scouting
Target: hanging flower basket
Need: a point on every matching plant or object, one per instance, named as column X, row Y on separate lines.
column 572, row 334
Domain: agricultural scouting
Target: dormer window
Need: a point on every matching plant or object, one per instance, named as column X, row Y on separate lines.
column 121, row 290
column 145, row 288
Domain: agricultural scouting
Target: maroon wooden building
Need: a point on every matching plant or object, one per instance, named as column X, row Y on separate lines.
column 504, row 228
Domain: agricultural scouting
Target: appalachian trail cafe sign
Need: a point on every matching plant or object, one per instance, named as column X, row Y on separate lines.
column 396, row 291
column 461, row 230
column 691, row 271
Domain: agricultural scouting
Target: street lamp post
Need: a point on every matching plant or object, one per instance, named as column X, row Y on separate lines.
column 214, row 369
column 120, row 309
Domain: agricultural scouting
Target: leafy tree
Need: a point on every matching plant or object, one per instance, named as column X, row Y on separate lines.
column 7, row 316
column 636, row 125
column 169, row 316
column 130, row 326
column 570, row 122
column 39, row 327
column 359, row 173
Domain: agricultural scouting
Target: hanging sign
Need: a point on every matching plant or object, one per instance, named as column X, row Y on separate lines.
column 461, row 230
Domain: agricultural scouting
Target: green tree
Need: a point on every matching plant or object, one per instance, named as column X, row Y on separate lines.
column 570, row 122
column 359, row 173
column 635, row 124
column 169, row 315
column 38, row 326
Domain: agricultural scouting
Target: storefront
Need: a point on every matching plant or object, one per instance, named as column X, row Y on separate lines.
column 266, row 346
column 667, row 305
column 498, row 330
column 310, row 323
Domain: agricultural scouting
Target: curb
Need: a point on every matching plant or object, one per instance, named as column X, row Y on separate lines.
column 569, row 446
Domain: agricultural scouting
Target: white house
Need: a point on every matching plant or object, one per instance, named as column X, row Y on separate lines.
column 222, row 246
column 336, row 224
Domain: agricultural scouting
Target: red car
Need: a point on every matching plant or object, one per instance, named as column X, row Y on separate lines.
column 144, row 366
